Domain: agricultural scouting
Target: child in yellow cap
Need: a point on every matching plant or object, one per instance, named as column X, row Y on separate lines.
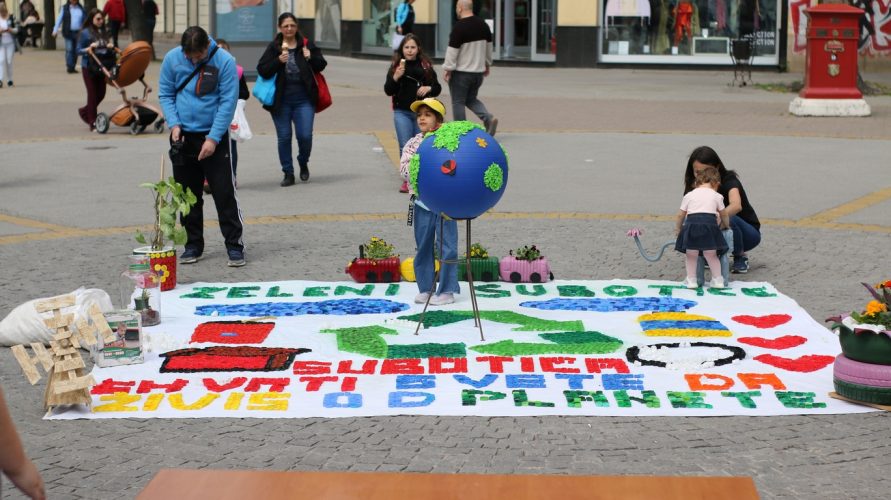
column 430, row 113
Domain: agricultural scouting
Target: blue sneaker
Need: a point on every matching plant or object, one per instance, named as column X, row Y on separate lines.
column 189, row 256
column 740, row 265
column 236, row 258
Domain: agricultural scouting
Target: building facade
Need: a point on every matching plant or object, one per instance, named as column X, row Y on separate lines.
column 567, row 33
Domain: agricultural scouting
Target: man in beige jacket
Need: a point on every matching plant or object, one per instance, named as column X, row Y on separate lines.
column 467, row 63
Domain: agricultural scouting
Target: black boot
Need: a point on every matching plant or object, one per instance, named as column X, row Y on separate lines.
column 304, row 173
column 287, row 181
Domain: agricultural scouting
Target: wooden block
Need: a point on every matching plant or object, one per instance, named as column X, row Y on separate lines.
column 62, row 321
column 58, row 302
column 86, row 334
column 42, row 355
column 104, row 331
column 61, row 350
column 29, row 365
column 51, row 398
column 72, row 381
column 69, row 363
column 237, row 484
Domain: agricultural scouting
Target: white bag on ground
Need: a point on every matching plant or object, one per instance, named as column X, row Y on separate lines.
column 239, row 128
column 24, row 324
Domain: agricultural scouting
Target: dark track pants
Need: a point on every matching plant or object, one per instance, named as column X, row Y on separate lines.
column 217, row 169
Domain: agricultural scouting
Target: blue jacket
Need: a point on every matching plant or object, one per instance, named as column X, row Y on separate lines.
column 195, row 113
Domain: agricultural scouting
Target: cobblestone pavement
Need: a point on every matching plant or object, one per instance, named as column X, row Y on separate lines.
column 594, row 152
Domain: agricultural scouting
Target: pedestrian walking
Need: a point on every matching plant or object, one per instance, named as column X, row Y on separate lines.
column 117, row 16
column 405, row 18
column 198, row 90
column 94, row 37
column 698, row 228
column 243, row 95
column 467, row 62
column 410, row 78
column 743, row 219
column 70, row 20
column 150, row 15
column 292, row 59
column 431, row 229
column 8, row 31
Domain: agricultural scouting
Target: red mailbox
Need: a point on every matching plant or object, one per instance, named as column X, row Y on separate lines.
column 831, row 64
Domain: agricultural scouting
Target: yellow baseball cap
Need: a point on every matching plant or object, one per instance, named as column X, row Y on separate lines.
column 431, row 103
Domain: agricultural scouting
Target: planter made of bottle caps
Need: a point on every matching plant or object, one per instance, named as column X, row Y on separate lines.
column 163, row 263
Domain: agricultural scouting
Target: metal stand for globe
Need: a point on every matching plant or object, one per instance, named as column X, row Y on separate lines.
column 476, row 310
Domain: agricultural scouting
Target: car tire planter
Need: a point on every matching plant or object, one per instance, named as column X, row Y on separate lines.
column 865, row 346
column 863, row 393
column 524, row 271
column 855, row 372
column 374, row 270
column 487, row 269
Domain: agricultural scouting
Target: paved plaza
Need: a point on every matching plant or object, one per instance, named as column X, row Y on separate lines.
column 594, row 152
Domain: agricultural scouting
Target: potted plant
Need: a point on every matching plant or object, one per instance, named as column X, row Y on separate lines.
column 150, row 317
column 377, row 263
column 525, row 265
column 170, row 199
column 866, row 335
column 863, row 372
column 484, row 268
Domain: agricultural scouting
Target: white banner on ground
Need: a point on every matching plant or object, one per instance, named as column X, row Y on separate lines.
column 329, row 349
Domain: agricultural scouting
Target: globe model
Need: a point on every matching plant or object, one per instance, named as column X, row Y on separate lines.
column 459, row 171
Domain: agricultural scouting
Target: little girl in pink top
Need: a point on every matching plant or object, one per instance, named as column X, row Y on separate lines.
column 699, row 224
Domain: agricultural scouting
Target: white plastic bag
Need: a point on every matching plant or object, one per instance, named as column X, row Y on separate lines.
column 239, row 128
column 395, row 40
column 24, row 324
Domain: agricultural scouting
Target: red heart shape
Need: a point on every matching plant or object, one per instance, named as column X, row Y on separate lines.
column 769, row 321
column 803, row 364
column 784, row 342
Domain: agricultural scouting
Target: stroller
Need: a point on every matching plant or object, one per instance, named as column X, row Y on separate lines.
column 134, row 112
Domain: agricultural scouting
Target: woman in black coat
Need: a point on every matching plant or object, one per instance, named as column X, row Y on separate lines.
column 292, row 59
column 410, row 78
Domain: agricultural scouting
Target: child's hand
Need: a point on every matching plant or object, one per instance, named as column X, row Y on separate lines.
column 398, row 72
column 424, row 90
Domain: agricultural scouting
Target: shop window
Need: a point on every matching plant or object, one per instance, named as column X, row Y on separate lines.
column 688, row 27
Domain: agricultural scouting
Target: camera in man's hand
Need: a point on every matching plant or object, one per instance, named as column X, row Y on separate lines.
column 176, row 153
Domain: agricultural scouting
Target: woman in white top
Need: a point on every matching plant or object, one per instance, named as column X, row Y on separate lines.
column 7, row 44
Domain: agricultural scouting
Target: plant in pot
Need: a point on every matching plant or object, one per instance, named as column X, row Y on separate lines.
column 142, row 305
column 377, row 263
column 484, row 267
column 525, row 265
column 863, row 371
column 170, row 200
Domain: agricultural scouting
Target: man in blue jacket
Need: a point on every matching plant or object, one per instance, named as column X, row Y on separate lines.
column 198, row 90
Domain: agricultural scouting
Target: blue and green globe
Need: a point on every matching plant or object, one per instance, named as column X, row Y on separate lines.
column 459, row 171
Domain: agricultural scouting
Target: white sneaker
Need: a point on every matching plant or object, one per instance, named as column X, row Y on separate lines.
column 442, row 299
column 691, row 283
column 717, row 283
column 421, row 298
